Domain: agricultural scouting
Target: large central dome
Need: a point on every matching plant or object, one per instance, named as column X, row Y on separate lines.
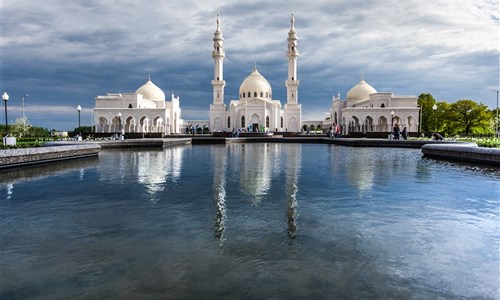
column 360, row 91
column 150, row 91
column 255, row 85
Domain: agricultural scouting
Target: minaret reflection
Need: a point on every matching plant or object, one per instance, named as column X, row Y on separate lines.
column 361, row 170
column 219, row 159
column 155, row 167
column 256, row 170
column 291, row 186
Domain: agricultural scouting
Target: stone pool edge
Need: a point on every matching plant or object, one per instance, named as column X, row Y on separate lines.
column 467, row 152
column 13, row 158
column 59, row 151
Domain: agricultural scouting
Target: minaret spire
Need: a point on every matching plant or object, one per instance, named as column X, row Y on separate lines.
column 292, row 83
column 218, row 21
column 218, row 55
column 292, row 111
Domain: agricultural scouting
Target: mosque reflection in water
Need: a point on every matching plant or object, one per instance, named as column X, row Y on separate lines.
column 247, row 170
column 256, row 166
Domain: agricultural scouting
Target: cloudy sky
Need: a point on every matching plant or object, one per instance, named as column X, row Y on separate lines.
column 65, row 53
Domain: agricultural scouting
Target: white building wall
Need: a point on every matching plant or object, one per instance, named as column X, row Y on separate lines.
column 369, row 115
column 143, row 115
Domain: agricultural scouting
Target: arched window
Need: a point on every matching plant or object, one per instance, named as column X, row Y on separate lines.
column 262, row 94
column 217, row 48
column 242, row 121
column 217, row 78
column 292, row 77
column 130, row 106
column 255, row 94
column 249, row 95
column 267, row 95
column 267, row 121
column 228, row 122
column 293, row 48
column 243, row 95
column 281, row 122
column 383, row 105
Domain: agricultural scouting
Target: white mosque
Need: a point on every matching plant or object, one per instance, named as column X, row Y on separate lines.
column 366, row 110
column 255, row 110
column 147, row 110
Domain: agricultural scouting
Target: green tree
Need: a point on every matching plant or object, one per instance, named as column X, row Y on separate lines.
column 443, row 122
column 426, row 101
column 38, row 132
column 467, row 116
column 83, row 130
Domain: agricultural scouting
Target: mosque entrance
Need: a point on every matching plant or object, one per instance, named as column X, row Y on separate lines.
column 255, row 123
column 255, row 127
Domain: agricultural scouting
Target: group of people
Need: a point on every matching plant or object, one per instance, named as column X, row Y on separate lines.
column 236, row 132
column 397, row 133
column 334, row 131
column 190, row 129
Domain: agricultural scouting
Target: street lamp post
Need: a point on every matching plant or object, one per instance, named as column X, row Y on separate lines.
column 392, row 125
column 5, row 98
column 79, row 108
column 24, row 116
column 22, row 99
column 120, row 124
column 496, row 120
column 434, row 108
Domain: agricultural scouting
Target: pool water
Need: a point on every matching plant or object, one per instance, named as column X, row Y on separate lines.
column 258, row 221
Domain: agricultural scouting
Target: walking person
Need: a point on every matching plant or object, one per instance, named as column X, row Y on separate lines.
column 404, row 133
column 396, row 132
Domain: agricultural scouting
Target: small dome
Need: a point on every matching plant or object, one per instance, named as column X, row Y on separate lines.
column 150, row 91
column 256, row 83
column 360, row 91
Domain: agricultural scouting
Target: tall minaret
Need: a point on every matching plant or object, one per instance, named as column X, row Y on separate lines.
column 218, row 54
column 292, row 83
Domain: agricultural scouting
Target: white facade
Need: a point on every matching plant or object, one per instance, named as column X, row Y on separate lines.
column 255, row 110
column 144, row 111
column 366, row 110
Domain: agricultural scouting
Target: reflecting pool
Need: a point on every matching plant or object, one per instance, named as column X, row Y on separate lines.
column 259, row 221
